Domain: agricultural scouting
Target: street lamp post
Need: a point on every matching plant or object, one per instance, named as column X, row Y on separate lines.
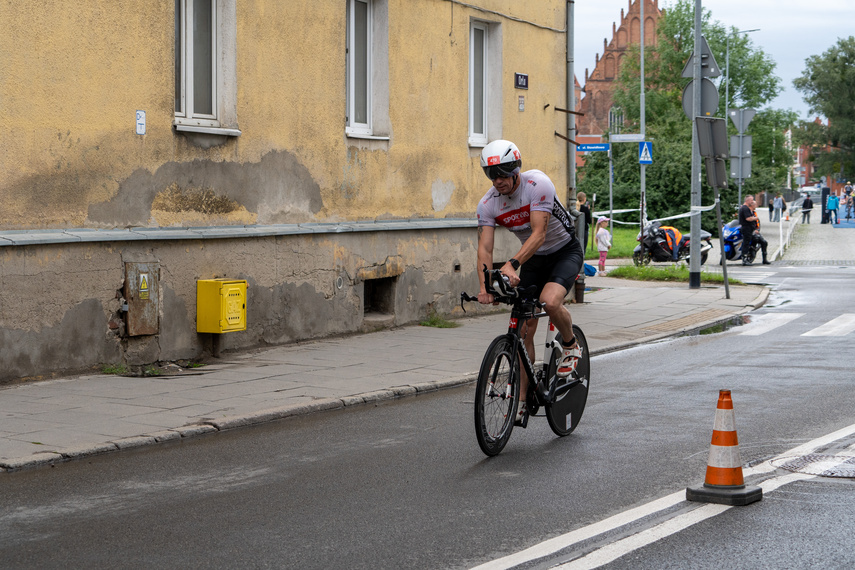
column 727, row 67
column 727, row 85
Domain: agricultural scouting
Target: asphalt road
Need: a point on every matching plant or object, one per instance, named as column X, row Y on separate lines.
column 404, row 485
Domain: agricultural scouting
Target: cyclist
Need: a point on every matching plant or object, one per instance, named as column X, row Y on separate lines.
column 550, row 254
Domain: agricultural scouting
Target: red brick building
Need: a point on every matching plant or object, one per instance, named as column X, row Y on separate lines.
column 599, row 85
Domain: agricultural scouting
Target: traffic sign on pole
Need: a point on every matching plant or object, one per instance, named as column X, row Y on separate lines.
column 598, row 147
column 709, row 67
column 645, row 152
column 635, row 137
column 709, row 98
column 741, row 118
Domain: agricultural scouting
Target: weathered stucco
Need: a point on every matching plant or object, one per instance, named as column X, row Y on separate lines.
column 299, row 287
column 73, row 75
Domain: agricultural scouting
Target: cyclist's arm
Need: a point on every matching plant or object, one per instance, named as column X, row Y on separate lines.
column 485, row 257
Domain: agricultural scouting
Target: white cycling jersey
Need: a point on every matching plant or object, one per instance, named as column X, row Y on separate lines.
column 535, row 193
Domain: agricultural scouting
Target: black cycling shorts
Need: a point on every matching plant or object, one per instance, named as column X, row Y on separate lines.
column 561, row 266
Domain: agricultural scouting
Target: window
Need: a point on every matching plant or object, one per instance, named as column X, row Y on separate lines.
column 359, row 24
column 367, row 69
column 205, row 54
column 485, row 88
column 478, row 84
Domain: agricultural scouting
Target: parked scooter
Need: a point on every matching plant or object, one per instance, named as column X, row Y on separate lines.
column 658, row 248
column 733, row 243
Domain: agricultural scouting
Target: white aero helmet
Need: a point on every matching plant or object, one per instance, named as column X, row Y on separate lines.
column 501, row 159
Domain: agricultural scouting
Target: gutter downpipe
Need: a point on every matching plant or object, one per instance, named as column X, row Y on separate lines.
column 579, row 220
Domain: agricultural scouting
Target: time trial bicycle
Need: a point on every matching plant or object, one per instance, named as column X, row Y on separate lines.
column 497, row 392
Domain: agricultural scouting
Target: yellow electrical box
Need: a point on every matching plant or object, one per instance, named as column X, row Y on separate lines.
column 220, row 305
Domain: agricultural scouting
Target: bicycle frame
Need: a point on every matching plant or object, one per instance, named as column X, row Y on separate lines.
column 499, row 377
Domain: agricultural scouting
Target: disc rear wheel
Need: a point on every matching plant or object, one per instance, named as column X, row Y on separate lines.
column 571, row 393
column 497, row 396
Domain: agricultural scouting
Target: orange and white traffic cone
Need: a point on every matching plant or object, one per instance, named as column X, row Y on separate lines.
column 788, row 215
column 724, row 483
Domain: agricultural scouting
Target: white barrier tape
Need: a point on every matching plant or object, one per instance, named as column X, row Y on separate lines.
column 613, row 212
column 695, row 210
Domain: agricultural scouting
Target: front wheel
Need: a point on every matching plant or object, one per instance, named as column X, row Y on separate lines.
column 640, row 260
column 571, row 393
column 497, row 395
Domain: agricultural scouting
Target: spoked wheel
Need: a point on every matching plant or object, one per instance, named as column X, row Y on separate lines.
column 571, row 393
column 497, row 395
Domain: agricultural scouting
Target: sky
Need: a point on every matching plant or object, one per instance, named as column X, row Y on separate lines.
column 790, row 32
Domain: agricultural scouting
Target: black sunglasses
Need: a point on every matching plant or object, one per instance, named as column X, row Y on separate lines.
column 499, row 171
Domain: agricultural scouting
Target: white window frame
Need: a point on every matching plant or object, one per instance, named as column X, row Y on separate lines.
column 478, row 138
column 353, row 127
column 223, row 119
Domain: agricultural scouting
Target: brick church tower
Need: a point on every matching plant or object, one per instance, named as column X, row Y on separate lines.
column 599, row 85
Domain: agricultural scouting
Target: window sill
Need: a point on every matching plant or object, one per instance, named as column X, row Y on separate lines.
column 366, row 137
column 477, row 143
column 208, row 130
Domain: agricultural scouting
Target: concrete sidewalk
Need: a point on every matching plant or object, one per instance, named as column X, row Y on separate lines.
column 58, row 420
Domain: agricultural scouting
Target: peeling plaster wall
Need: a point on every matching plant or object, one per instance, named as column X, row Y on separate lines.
column 75, row 72
column 74, row 323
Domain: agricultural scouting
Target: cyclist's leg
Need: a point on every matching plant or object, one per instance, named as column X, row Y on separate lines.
column 535, row 272
column 566, row 264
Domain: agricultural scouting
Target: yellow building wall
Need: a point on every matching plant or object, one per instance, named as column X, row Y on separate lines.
column 75, row 72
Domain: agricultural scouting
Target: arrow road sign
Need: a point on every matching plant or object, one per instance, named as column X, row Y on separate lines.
column 645, row 153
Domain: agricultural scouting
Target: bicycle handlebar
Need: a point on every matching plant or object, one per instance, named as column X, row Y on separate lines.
column 500, row 288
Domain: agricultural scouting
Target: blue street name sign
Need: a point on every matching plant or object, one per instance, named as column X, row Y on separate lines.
column 645, row 152
column 592, row 147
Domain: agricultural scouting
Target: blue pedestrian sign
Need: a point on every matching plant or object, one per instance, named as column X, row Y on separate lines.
column 645, row 152
column 592, row 147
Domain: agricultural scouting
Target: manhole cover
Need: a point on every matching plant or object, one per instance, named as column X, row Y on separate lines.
column 820, row 465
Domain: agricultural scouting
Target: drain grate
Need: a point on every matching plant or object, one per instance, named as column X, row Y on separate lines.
column 820, row 465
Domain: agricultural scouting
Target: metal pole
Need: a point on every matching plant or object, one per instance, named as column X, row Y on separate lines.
column 643, row 131
column 695, row 232
column 741, row 138
column 611, row 185
column 726, row 78
column 571, row 104
column 579, row 287
column 721, row 243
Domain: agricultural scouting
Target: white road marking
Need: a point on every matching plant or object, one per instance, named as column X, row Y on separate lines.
column 770, row 321
column 667, row 528
column 841, row 326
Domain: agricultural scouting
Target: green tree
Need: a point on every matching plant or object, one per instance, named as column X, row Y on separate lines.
column 668, row 179
column 827, row 84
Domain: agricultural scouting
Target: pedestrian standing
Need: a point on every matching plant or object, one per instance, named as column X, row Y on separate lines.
column 604, row 243
column 582, row 206
column 807, row 206
column 771, row 208
column 778, row 204
column 831, row 205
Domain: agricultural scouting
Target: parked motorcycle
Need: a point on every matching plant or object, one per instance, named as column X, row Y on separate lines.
column 733, row 243
column 658, row 248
